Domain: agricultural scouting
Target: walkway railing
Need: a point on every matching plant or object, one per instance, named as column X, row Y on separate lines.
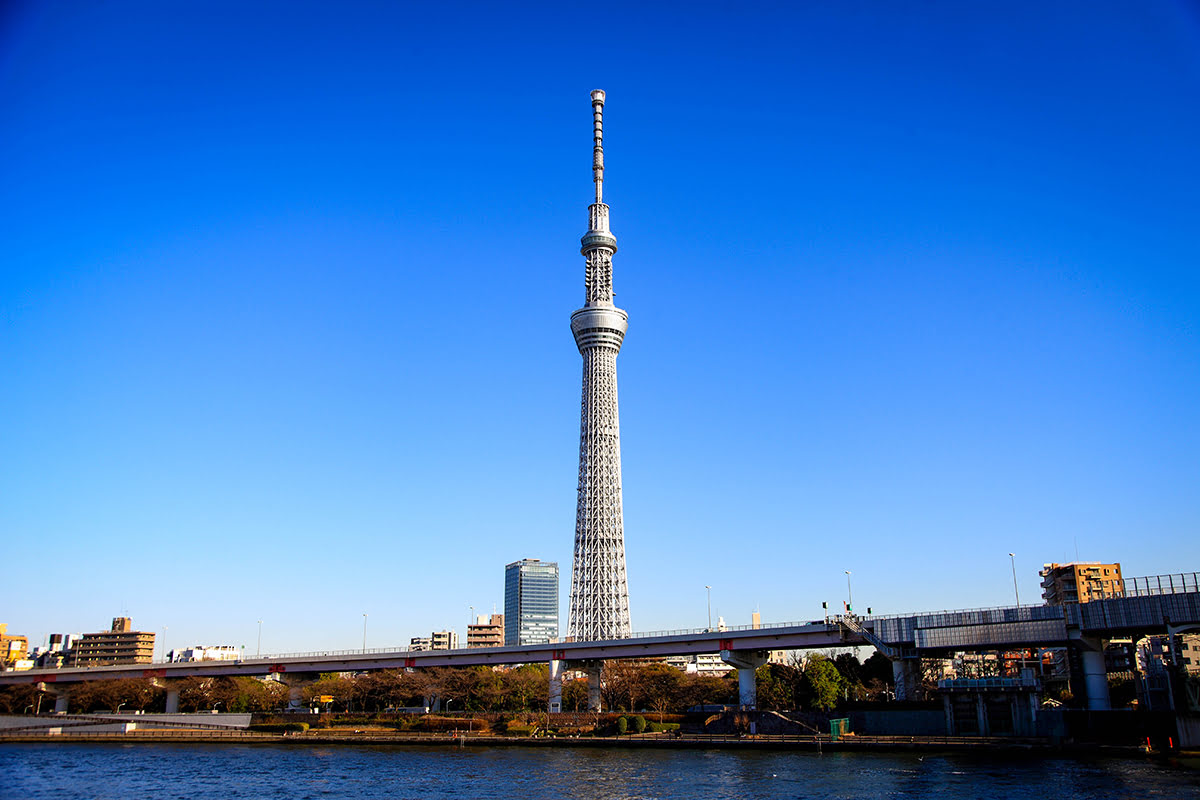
column 1174, row 583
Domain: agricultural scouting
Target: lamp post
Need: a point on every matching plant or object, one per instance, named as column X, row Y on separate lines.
column 849, row 594
column 708, row 590
column 470, row 620
column 258, row 651
column 165, row 628
column 1013, row 560
column 364, row 633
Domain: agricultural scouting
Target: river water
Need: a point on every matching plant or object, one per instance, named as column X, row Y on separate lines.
column 199, row 772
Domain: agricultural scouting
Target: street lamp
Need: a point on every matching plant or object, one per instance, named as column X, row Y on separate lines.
column 1012, row 559
column 849, row 595
column 708, row 589
column 258, row 652
column 364, row 633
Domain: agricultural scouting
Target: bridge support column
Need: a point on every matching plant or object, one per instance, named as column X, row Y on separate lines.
column 172, row 689
column 556, row 670
column 907, row 674
column 747, row 663
column 296, row 681
column 594, row 670
column 1095, row 676
column 62, row 696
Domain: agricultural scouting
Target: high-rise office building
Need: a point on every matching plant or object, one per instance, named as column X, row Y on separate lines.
column 530, row 602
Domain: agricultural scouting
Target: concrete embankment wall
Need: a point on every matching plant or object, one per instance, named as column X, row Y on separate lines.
column 915, row 722
column 117, row 722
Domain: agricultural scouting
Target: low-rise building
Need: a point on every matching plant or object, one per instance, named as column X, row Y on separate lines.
column 222, row 652
column 1080, row 582
column 1189, row 653
column 121, row 645
column 486, row 632
column 443, row 640
column 13, row 648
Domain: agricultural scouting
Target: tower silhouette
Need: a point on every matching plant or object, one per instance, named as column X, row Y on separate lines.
column 599, row 590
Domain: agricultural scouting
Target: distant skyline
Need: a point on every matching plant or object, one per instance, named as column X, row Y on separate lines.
column 285, row 295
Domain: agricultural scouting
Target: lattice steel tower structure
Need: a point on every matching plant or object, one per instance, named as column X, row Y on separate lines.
column 599, row 591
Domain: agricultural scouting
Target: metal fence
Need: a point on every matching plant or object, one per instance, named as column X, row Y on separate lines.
column 1174, row 583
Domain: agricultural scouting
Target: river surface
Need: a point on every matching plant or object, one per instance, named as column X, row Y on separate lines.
column 199, row 772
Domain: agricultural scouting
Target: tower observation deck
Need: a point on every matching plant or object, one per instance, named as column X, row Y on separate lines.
column 599, row 591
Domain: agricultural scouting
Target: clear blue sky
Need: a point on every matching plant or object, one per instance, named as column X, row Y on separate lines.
column 285, row 292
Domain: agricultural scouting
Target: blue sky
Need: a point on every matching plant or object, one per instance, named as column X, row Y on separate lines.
column 285, row 292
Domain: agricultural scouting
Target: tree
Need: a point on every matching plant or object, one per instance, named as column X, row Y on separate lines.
column 526, row 687
column 776, row 686
column 661, row 687
column 575, row 695
column 849, row 666
column 822, row 685
column 878, row 668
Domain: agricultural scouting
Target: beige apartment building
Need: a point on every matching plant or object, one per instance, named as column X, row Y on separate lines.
column 486, row 632
column 1080, row 582
column 121, row 645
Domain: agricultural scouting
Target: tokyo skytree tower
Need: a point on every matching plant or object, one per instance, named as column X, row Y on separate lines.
column 599, row 592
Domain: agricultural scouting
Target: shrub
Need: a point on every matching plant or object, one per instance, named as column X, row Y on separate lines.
column 639, row 724
column 661, row 727
column 622, row 726
column 517, row 729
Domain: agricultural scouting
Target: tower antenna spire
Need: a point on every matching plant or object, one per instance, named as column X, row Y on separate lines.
column 598, row 147
column 599, row 588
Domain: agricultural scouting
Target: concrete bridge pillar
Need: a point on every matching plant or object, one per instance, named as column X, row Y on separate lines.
column 1095, row 676
column 747, row 663
column 594, row 670
column 907, row 674
column 556, row 671
column 296, row 681
column 62, row 696
column 172, row 689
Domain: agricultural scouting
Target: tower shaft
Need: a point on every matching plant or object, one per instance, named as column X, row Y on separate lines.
column 599, row 590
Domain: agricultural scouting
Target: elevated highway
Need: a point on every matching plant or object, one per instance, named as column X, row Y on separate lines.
column 1158, row 605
